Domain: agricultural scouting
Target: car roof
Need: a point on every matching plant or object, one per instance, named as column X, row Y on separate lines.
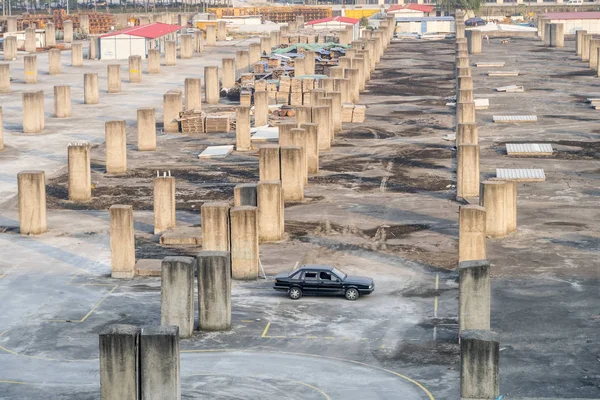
column 317, row 267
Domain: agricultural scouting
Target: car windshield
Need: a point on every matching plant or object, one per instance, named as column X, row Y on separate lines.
column 339, row 273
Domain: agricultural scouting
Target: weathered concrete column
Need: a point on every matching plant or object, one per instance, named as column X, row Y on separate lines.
column 328, row 102
column 244, row 242
column 358, row 63
column 579, row 40
column 30, row 45
column 164, row 203
column 261, row 108
column 50, row 34
column 84, row 24
column 221, row 30
column 336, row 105
column 1, row 130
column 352, row 75
column 76, row 55
column 244, row 194
column 11, row 24
column 465, row 112
column 186, row 49
column 122, row 242
column 255, row 53
column 242, row 129
column 479, row 357
column 119, row 362
column 211, row 35
column 299, row 67
column 299, row 137
column 170, row 53
column 116, row 147
column 214, row 290
column 228, row 72
column 474, row 295
column 593, row 53
column 312, row 147
column 327, row 85
column 114, row 78
column 467, row 171
column 146, row 128
column 160, row 363
column 211, row 84
column 492, row 197
column 270, row 211
column 177, row 293
column 585, row 47
column 274, row 35
column 471, row 233
column 33, row 112
column 265, row 45
column 80, row 176
column 10, row 48
column 511, row 206
column 343, row 86
column 309, row 63
column 292, row 178
column 557, row 35
column 242, row 61
column 475, row 41
column 303, row 115
column 198, row 41
column 62, row 101
column 547, row 34
column 93, row 50
column 54, row 62
column 193, row 93
column 4, row 78
column 215, row 226
column 90, row 88
column 172, row 106
column 464, row 82
column 320, row 116
column 465, row 95
column 32, row 202
column 135, row 69
column 153, row 61
column 285, row 129
column 30, row 64
column 269, row 166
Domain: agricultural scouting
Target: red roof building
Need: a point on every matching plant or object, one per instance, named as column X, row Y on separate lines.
column 137, row 40
column 411, row 9
column 334, row 21
column 151, row 31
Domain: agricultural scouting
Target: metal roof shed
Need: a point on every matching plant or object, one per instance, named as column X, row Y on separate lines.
column 136, row 40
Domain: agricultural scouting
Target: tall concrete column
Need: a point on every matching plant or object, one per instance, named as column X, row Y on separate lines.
column 84, row 24
column 76, row 55
column 255, row 53
column 292, row 178
column 93, row 50
column 242, row 61
column 474, row 295
column 160, row 363
column 475, row 41
column 579, row 40
column 299, row 137
column 244, row 242
column 557, row 35
column 114, row 78
column 299, row 67
column 215, row 226
column 352, row 75
column 122, row 242
column 186, row 50
column 30, row 65
column 80, row 175
column 465, row 95
column 62, row 101
column 33, row 112
column 10, row 48
column 271, row 225
column 471, row 233
column 547, row 34
column 492, row 197
column 358, row 63
column 1, row 130
column 193, row 93
column 198, row 41
column 221, row 30
column 228, row 72
column 54, row 62
column 265, row 45
column 30, row 45
column 32, row 202
column 211, row 35
column 467, row 171
column 135, row 69
column 268, row 162
column 4, row 78
column 261, row 108
column 242, row 129
column 585, row 47
column 211, row 84
column 328, row 102
column 465, row 82
column 303, row 115
column 119, row 362
column 285, row 128
column 479, row 358
column 465, row 112
column 90, row 88
column 309, row 57
column 164, row 204
column 146, row 128
column 50, row 34
column 336, row 105
column 172, row 106
column 320, row 116
column 214, row 290
column 244, row 194
column 153, row 61
column 312, row 147
column 593, row 53
column 116, row 147
column 511, row 206
column 273, row 35
column 177, row 294
column 170, row 53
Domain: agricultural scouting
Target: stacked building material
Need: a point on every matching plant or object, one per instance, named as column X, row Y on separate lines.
column 358, row 114
column 192, row 121
column 218, row 123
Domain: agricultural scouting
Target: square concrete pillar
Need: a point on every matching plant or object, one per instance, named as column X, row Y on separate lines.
column 492, row 197
column 90, row 88
column 475, row 41
column 186, row 50
column 164, row 203
column 479, row 359
column 153, row 61
column 30, row 45
column 471, row 233
column 359, row 64
column 32, row 202
column 76, row 55
column 271, row 222
column 244, row 194
column 177, row 293
column 242, row 61
column 160, row 363
column 215, row 226
column 80, row 174
column 4, row 78
column 353, row 75
column 193, row 93
column 320, row 116
column 309, row 64
column 467, row 134
column 1, row 130
column 474, row 295
column 467, row 171
column 211, row 35
column 328, row 102
column 585, row 47
column 299, row 67
column 511, row 206
column 579, row 40
column 93, row 50
column 221, row 30
column 119, row 362
column 170, row 53
column 244, row 242
column 62, row 102
column 135, row 69
column 292, row 178
column 228, row 72
column 214, row 290
column 312, row 147
column 336, row 105
column 261, row 108
column 297, row 137
column 265, row 45
column 50, row 34
column 84, row 24
column 122, row 242
column 33, row 112
column 54, row 62
column 146, row 128
column 593, row 53
column 116, row 147
column 255, row 53
column 198, row 41
column 211, row 84
column 30, row 65
column 172, row 106
column 268, row 163
column 11, row 24
column 242, row 129
column 303, row 115
column 10, row 48
column 114, row 78
column 465, row 112
column 557, row 35
column 68, row 31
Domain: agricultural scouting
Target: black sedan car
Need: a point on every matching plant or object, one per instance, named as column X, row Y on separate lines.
column 477, row 21
column 322, row 280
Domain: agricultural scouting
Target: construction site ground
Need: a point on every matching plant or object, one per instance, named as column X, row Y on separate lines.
column 383, row 205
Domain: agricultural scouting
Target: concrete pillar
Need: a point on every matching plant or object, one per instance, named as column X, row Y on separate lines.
column 359, row 63
column 303, row 115
column 265, row 45
column 547, row 34
column 193, row 93
column 511, row 206
column 90, row 88
column 215, row 226
column 254, row 53
column 50, row 34
column 76, row 55
column 172, row 106
column 327, row 84
column 285, row 129
column 336, row 105
column 198, row 41
column 4, row 78
column 492, row 197
column 474, row 295
column 244, row 194
column 211, row 84
column 160, row 363
column 11, row 24
column 593, row 53
column 479, row 357
column 465, row 95
column 557, row 35
column 93, row 49
column 62, row 101
column 10, row 48
column 242, row 58
column 1, row 130
column 30, row 66
column 114, row 78
column 585, row 47
column 221, row 30
column 33, row 112
column 84, row 24
column 153, row 61
column 579, row 40
column 146, row 128
column 466, row 134
column 328, row 102
column 353, row 75
column 261, row 108
column 214, row 290
column 186, row 50
column 299, row 137
column 54, row 62
column 80, row 177
column 170, row 53
column 270, row 211
column 244, row 242
column 475, row 41
column 312, row 147
column 30, row 45
column 242, row 129
column 273, row 35
column 32, row 202
column 292, row 178
column 269, row 166
column 309, row 64
column 116, row 147
column 471, row 233
column 122, row 242
column 177, row 294
column 320, row 116
column 211, row 35
column 299, row 67
column 135, row 69
column 164, row 203
column 228, row 72
column 465, row 82
column 467, row 171
column 119, row 362
column 465, row 112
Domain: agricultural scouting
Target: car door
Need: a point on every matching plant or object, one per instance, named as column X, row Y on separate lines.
column 330, row 284
column 311, row 282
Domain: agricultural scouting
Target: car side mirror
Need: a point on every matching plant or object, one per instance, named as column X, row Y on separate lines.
column 337, row 279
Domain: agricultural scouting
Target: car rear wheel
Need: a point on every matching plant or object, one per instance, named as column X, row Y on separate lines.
column 352, row 294
column 295, row 293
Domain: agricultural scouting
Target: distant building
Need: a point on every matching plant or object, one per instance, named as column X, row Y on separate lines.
column 573, row 21
column 412, row 10
column 335, row 23
column 136, row 40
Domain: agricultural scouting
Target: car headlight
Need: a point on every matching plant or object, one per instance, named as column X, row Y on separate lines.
column 276, row 281
column 370, row 286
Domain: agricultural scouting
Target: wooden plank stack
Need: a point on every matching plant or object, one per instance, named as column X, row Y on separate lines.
column 192, row 121
column 218, row 123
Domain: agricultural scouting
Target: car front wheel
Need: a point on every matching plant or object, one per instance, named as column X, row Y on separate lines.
column 295, row 293
column 351, row 294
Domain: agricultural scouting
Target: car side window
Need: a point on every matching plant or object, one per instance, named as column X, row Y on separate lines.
column 310, row 276
column 325, row 276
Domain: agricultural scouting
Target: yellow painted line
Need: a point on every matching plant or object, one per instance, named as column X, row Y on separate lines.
column 264, row 334
column 16, row 382
column 90, row 312
column 247, row 320
column 2, row 276
column 435, row 306
column 316, row 389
